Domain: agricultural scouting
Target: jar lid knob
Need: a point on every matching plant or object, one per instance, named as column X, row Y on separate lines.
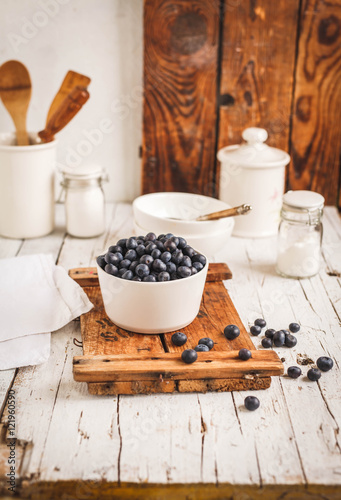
column 253, row 135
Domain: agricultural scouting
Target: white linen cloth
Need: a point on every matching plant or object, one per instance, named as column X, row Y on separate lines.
column 36, row 298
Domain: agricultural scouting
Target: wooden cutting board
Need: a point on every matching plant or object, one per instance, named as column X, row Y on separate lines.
column 116, row 361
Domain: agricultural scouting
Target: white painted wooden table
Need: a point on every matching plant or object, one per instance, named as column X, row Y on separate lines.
column 73, row 445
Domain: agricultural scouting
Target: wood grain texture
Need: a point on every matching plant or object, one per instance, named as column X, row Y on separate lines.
column 169, row 366
column 88, row 276
column 316, row 127
column 180, row 75
column 258, row 58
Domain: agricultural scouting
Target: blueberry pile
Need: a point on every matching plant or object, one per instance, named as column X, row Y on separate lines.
column 277, row 338
column 152, row 258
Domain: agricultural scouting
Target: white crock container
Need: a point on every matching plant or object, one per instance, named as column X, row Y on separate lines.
column 26, row 187
column 254, row 173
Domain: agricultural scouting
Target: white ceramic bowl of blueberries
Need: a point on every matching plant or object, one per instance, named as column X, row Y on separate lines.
column 152, row 284
column 155, row 212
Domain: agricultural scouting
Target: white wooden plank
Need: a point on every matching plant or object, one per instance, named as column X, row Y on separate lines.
column 82, row 441
column 161, row 438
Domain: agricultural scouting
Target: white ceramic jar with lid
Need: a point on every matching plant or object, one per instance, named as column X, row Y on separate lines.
column 84, row 200
column 254, row 173
column 300, row 234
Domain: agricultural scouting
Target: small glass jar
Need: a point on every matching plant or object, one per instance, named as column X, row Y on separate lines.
column 84, row 200
column 300, row 234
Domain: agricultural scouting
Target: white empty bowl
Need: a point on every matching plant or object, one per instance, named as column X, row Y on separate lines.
column 149, row 307
column 153, row 212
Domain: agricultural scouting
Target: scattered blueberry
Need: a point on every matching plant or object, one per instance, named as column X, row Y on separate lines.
column 260, row 322
column 270, row 333
column 255, row 330
column 207, row 341
column 294, row 371
column 324, row 363
column 231, row 332
column 179, row 338
column 201, row 348
column 286, row 332
column 290, row 340
column 267, row 343
column 279, row 338
column 251, row 403
column 294, row 327
column 189, row 356
column 244, row 354
column 313, row 374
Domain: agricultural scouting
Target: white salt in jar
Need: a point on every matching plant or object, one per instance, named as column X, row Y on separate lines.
column 300, row 234
column 84, row 200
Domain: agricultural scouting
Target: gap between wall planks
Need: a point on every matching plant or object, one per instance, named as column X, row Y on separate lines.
column 277, row 65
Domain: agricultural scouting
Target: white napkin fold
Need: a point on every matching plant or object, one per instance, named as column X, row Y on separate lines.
column 36, row 298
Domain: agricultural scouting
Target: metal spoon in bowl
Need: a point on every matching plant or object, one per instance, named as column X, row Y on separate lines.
column 229, row 212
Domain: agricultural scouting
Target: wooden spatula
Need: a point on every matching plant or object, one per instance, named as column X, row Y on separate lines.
column 15, row 92
column 64, row 113
column 71, row 81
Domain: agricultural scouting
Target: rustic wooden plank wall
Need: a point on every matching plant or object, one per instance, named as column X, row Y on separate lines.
column 213, row 68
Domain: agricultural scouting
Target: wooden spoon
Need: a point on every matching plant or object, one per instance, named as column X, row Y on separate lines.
column 15, row 92
column 64, row 113
column 229, row 212
column 71, row 81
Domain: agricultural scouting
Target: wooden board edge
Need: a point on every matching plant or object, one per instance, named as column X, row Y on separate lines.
column 91, row 490
column 184, row 386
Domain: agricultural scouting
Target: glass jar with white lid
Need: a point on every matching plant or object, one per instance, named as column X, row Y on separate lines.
column 300, row 234
column 84, row 200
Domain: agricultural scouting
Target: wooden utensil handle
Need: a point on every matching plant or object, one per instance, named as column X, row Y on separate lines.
column 67, row 110
column 229, row 212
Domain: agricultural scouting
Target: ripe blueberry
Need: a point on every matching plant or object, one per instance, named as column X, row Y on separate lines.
column 231, row 332
column 294, row 327
column 290, row 340
column 260, row 322
column 207, row 341
column 189, row 356
column 179, row 338
column 270, row 333
column 324, row 363
column 313, row 374
column 201, row 348
column 279, row 338
column 244, row 354
column 294, row 371
column 251, row 403
column 255, row 330
column 266, row 343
